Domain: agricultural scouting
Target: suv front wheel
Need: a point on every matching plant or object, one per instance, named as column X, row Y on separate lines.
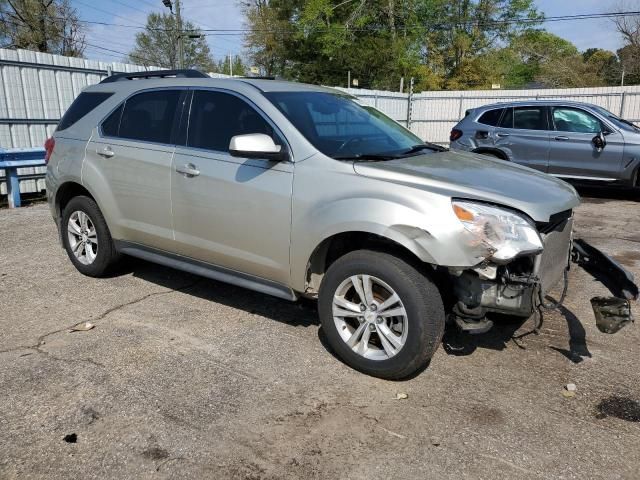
column 380, row 315
column 86, row 237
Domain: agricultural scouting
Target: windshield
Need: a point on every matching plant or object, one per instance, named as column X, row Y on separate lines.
column 617, row 121
column 343, row 129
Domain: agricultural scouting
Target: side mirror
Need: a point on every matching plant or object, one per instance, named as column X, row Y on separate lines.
column 599, row 142
column 256, row 145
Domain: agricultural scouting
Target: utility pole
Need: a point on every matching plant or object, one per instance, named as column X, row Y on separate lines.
column 348, row 78
column 230, row 64
column 622, row 81
column 180, row 36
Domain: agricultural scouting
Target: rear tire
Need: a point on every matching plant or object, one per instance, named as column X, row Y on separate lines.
column 397, row 337
column 86, row 237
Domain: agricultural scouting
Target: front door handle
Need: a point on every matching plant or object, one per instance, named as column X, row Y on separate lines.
column 502, row 135
column 106, row 152
column 189, row 170
column 561, row 138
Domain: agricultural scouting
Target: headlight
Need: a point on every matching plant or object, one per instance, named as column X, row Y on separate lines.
column 505, row 234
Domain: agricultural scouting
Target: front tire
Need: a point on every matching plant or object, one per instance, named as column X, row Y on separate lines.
column 86, row 237
column 381, row 315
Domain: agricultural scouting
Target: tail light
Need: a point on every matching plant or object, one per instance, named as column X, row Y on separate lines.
column 48, row 147
column 455, row 134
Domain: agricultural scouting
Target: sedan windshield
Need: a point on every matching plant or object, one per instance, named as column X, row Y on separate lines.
column 343, row 129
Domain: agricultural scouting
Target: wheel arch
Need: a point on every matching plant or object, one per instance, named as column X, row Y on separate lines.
column 339, row 244
column 496, row 152
column 66, row 192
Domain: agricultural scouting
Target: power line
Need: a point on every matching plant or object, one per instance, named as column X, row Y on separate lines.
column 105, row 11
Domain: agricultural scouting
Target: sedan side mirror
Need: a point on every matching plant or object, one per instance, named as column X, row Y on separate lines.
column 599, row 142
column 257, row 145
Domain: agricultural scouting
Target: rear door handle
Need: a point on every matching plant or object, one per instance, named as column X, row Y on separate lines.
column 561, row 138
column 188, row 170
column 502, row 135
column 106, row 152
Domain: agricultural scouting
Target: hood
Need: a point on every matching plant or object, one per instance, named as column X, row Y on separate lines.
column 477, row 177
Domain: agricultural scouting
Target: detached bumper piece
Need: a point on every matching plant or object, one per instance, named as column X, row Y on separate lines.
column 612, row 313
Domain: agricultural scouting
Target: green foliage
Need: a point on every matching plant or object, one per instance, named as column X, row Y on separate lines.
column 239, row 68
column 452, row 44
column 158, row 45
column 50, row 26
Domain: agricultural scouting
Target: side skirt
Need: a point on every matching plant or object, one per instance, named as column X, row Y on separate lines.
column 206, row 270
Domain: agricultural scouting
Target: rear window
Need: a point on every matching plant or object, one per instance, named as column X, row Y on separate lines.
column 491, row 117
column 147, row 116
column 507, row 119
column 82, row 105
column 529, row 118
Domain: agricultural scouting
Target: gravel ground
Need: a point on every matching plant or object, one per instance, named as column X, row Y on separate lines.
column 184, row 377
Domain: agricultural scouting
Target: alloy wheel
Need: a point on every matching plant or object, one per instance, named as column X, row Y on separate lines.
column 83, row 238
column 370, row 317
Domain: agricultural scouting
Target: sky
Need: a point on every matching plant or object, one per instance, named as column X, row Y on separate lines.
column 111, row 43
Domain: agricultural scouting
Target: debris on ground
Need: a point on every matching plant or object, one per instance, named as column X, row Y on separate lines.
column 569, row 390
column 71, row 438
column 82, row 327
column 401, row 396
column 435, row 441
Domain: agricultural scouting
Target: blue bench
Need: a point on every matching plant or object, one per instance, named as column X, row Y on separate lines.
column 11, row 159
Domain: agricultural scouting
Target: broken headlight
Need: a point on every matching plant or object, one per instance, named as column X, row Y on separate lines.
column 503, row 233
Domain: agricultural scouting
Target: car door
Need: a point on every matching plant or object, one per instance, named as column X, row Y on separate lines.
column 573, row 153
column 524, row 134
column 129, row 162
column 228, row 211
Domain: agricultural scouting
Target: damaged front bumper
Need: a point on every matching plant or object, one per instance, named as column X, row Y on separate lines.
column 520, row 288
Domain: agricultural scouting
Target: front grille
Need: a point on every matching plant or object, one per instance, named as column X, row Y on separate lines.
column 555, row 256
column 555, row 221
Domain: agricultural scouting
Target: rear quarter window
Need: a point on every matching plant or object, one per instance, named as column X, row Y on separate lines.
column 491, row 117
column 81, row 106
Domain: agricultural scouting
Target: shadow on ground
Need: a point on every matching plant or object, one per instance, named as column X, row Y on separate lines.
column 602, row 194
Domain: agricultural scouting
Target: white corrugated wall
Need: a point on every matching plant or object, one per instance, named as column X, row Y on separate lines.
column 34, row 94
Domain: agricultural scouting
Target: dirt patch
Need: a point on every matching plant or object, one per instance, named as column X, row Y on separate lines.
column 487, row 416
column 619, row 407
column 628, row 258
column 155, row 453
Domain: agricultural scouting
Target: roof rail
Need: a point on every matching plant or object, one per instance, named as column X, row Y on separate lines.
column 259, row 77
column 187, row 73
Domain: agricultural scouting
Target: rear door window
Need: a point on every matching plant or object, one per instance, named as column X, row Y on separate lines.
column 507, row 118
column 81, row 106
column 216, row 117
column 491, row 117
column 575, row 120
column 529, row 118
column 148, row 116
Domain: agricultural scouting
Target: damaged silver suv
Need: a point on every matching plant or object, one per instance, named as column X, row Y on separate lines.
column 295, row 190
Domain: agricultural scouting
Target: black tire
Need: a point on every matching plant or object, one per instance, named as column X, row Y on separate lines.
column 106, row 254
column 420, row 297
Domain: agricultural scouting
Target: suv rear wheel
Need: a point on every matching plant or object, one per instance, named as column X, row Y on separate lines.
column 380, row 315
column 86, row 237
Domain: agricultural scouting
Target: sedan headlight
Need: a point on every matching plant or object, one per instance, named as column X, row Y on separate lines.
column 505, row 234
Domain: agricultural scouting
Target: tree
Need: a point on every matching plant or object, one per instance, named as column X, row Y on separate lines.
column 239, row 68
column 157, row 45
column 380, row 41
column 50, row 26
column 628, row 26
